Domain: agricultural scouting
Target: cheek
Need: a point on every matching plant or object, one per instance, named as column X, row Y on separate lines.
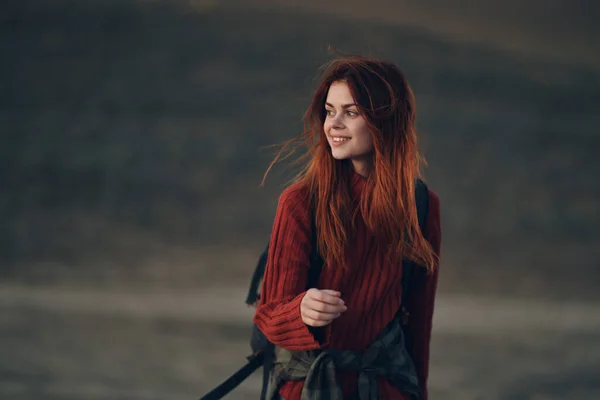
column 366, row 140
column 367, row 143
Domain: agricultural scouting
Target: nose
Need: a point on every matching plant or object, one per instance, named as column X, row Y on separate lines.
column 335, row 122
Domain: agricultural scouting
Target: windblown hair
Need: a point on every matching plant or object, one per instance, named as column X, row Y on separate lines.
column 386, row 101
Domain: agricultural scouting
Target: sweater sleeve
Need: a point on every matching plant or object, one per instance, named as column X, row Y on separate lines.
column 422, row 298
column 286, row 274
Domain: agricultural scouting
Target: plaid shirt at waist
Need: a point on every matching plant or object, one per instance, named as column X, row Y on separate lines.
column 386, row 357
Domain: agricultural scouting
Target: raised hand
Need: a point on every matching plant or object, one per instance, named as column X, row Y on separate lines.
column 321, row 307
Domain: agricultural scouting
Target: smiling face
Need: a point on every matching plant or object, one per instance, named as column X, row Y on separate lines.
column 346, row 129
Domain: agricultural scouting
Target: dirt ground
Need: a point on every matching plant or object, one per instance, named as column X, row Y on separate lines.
column 68, row 343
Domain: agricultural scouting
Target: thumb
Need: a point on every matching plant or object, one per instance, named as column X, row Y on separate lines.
column 332, row 292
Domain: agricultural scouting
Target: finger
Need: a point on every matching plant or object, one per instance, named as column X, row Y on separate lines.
column 324, row 297
column 332, row 292
column 315, row 323
column 319, row 316
column 325, row 307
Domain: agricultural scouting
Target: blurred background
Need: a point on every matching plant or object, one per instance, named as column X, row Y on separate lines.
column 132, row 146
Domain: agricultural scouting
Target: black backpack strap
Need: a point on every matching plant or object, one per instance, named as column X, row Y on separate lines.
column 316, row 259
column 234, row 380
column 422, row 200
column 408, row 267
column 257, row 276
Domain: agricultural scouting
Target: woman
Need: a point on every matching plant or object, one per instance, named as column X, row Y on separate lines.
column 358, row 190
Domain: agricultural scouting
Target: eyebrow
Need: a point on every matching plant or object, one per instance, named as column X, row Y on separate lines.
column 344, row 106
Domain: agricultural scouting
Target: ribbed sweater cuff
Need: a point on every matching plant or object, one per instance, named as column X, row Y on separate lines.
column 283, row 326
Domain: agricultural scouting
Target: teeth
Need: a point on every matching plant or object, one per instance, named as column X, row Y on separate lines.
column 340, row 139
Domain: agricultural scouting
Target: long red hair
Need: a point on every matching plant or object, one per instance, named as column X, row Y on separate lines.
column 385, row 99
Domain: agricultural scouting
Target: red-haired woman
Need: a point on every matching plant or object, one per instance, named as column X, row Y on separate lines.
column 341, row 338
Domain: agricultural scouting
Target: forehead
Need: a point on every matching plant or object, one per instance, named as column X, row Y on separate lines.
column 339, row 92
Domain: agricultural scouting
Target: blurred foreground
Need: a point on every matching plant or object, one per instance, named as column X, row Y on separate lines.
column 65, row 343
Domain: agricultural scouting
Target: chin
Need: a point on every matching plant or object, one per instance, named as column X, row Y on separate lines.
column 339, row 155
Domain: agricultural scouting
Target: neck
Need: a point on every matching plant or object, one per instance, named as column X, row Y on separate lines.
column 362, row 167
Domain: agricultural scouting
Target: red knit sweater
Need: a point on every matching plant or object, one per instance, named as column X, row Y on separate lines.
column 372, row 293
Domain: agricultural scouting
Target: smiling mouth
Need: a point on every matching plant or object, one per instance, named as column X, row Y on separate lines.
column 340, row 139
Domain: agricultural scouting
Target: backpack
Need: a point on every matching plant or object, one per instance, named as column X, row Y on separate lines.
column 263, row 351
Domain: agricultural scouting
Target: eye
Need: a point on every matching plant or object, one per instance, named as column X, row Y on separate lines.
column 352, row 113
column 329, row 112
